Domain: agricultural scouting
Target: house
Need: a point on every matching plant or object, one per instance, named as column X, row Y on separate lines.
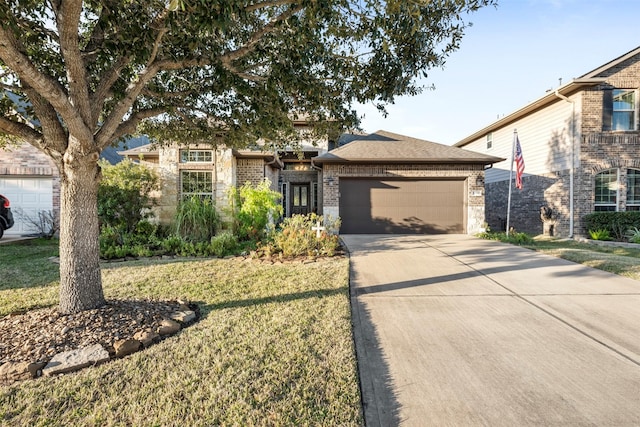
column 31, row 182
column 377, row 183
column 581, row 148
column 208, row 170
column 388, row 183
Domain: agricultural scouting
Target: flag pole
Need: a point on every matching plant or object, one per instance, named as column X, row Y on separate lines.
column 513, row 154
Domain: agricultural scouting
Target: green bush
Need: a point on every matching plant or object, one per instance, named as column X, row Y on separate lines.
column 225, row 243
column 124, row 194
column 599, row 234
column 196, row 219
column 514, row 237
column 616, row 223
column 295, row 237
column 144, row 240
column 253, row 209
column 633, row 235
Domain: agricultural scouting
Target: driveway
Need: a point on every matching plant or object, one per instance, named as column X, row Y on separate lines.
column 454, row 330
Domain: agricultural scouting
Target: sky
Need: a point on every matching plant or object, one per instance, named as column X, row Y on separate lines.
column 510, row 57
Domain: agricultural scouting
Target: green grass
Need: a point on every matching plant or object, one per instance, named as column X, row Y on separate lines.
column 274, row 347
column 624, row 261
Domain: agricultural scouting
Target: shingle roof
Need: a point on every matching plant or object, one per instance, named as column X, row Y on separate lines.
column 387, row 147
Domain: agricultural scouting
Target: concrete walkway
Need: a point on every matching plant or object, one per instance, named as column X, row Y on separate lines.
column 452, row 330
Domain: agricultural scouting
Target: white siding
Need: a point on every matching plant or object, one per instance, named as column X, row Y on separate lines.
column 545, row 137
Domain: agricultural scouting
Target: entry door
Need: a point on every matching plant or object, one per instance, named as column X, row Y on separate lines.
column 300, row 199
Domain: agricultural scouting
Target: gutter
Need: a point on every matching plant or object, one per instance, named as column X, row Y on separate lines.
column 573, row 161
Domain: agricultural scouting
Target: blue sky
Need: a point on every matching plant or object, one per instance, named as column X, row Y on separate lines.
column 509, row 57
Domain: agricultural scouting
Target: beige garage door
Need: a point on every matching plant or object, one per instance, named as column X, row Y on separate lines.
column 402, row 206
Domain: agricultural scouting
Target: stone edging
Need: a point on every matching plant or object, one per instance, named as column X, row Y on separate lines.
column 93, row 355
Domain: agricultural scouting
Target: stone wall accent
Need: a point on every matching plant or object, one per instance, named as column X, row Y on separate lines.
column 474, row 175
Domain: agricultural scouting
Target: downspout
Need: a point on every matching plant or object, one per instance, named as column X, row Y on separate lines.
column 320, row 187
column 572, row 169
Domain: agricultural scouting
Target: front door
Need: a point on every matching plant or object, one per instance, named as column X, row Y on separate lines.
column 300, row 199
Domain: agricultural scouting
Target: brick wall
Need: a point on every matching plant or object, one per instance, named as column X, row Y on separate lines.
column 600, row 150
column 250, row 170
column 550, row 190
column 474, row 175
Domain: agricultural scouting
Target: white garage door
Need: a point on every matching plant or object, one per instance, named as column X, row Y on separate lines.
column 28, row 196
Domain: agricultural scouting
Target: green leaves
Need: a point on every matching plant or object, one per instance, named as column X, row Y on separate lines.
column 191, row 66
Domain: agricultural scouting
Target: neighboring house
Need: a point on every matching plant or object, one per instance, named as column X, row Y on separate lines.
column 377, row 183
column 31, row 182
column 581, row 148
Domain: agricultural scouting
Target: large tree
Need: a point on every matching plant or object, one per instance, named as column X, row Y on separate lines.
column 79, row 75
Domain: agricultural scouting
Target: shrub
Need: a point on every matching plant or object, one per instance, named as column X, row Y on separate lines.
column 295, row 237
column 633, row 235
column 599, row 234
column 196, row 219
column 144, row 240
column 223, row 244
column 252, row 209
column 514, row 237
column 616, row 223
column 124, row 194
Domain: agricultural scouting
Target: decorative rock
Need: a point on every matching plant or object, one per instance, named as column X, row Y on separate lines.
column 73, row 360
column 184, row 316
column 146, row 337
column 18, row 371
column 36, row 368
column 168, row 327
column 126, row 347
column 64, row 330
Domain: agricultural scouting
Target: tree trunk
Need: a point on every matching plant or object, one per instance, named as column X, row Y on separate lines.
column 80, row 280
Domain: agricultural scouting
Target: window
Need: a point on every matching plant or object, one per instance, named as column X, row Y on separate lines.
column 606, row 191
column 633, row 190
column 619, row 110
column 489, row 140
column 196, row 156
column 196, row 183
column 624, row 109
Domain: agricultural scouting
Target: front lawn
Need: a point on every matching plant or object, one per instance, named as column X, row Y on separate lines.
column 624, row 261
column 274, row 346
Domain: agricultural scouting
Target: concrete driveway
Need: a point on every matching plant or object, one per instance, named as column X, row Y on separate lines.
column 454, row 330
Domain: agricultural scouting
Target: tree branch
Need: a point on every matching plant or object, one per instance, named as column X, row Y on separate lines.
column 129, row 126
column 48, row 87
column 112, row 122
column 103, row 91
column 21, row 130
column 68, row 19
column 265, row 4
column 228, row 58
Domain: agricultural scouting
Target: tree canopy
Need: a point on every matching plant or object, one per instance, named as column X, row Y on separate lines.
column 79, row 75
column 98, row 68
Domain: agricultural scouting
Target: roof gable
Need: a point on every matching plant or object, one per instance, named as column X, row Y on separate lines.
column 388, row 147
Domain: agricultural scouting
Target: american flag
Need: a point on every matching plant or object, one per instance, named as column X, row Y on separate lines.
column 519, row 164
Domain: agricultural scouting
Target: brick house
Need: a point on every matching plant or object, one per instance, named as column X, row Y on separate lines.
column 206, row 170
column 31, row 182
column 377, row 183
column 581, row 147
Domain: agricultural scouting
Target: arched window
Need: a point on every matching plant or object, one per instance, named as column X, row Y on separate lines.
column 606, row 191
column 633, row 190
